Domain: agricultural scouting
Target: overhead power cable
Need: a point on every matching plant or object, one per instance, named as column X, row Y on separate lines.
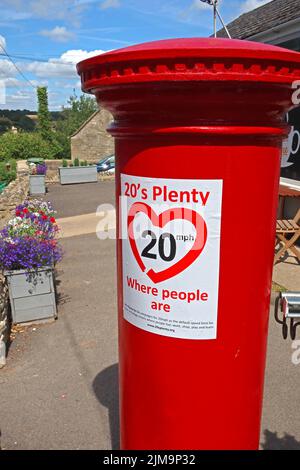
column 34, row 59
column 16, row 67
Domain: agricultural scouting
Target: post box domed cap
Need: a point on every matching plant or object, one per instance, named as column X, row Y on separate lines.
column 191, row 59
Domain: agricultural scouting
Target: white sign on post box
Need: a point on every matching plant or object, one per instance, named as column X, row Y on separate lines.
column 170, row 232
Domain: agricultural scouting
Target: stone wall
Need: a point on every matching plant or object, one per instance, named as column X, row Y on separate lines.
column 92, row 142
column 52, row 170
column 15, row 193
column 4, row 320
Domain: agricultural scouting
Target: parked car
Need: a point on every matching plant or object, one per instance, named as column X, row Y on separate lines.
column 106, row 165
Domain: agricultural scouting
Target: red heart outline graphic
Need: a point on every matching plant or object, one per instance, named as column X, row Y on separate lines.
column 160, row 221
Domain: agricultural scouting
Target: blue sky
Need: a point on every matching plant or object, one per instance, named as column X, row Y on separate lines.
column 46, row 38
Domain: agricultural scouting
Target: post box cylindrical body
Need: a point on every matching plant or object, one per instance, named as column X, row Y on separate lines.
column 198, row 128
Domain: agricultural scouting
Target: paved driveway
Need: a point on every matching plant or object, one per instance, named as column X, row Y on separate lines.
column 59, row 389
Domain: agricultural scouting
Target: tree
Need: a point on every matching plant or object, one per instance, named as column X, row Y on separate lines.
column 44, row 127
column 78, row 111
column 19, row 118
column 25, row 145
column 72, row 117
column 44, row 118
column 26, row 124
column 5, row 124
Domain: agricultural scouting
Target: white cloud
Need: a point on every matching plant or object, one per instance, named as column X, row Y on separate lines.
column 58, row 34
column 76, row 55
column 58, row 73
column 50, row 9
column 52, row 68
column 194, row 11
column 63, row 67
column 2, row 41
column 20, row 95
column 11, row 82
column 68, row 10
column 110, row 4
column 13, row 15
column 7, row 69
column 67, row 85
column 249, row 5
column 198, row 5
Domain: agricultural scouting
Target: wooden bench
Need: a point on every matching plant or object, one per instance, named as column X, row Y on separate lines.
column 284, row 228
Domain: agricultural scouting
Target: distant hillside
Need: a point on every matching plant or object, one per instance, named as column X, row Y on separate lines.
column 19, row 119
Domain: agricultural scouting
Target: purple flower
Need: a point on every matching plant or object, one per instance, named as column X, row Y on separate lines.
column 28, row 253
column 37, row 220
column 28, row 240
column 41, row 169
column 36, row 205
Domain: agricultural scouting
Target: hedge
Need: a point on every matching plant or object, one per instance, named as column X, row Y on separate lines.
column 8, row 175
column 24, row 145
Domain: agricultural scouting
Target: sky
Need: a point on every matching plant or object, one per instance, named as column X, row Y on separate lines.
column 46, row 38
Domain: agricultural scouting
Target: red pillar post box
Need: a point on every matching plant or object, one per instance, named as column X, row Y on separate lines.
column 198, row 126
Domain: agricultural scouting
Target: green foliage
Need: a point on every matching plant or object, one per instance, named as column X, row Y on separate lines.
column 20, row 119
column 76, row 162
column 26, row 124
column 52, row 138
column 72, row 117
column 25, row 145
column 44, row 118
column 83, row 163
column 64, row 143
column 5, row 124
column 64, row 163
column 78, row 111
column 8, row 171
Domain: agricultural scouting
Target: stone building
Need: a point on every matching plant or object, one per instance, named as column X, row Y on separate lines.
column 91, row 141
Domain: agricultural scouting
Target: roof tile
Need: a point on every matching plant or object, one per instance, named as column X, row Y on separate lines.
column 262, row 18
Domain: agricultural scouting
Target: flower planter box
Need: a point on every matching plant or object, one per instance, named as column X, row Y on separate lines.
column 78, row 174
column 37, row 184
column 32, row 296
